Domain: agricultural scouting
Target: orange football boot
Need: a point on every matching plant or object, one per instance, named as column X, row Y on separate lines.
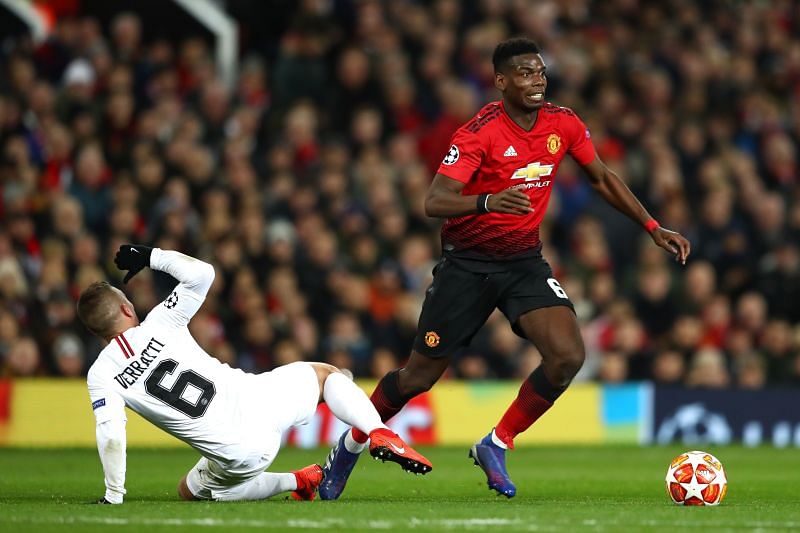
column 387, row 446
column 308, row 479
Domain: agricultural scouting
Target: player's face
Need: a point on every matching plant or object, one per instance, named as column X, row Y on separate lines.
column 523, row 81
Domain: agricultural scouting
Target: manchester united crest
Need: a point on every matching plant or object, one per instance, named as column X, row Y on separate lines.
column 432, row 339
column 553, row 143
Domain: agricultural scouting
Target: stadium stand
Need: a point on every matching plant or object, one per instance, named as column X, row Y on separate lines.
column 303, row 183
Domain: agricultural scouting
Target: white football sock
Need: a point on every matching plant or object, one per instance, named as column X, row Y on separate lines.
column 352, row 445
column 350, row 405
column 496, row 440
column 261, row 487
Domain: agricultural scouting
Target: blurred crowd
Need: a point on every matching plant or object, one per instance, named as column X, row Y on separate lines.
column 303, row 182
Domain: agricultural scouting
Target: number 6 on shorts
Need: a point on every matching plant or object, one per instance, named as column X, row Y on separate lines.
column 553, row 282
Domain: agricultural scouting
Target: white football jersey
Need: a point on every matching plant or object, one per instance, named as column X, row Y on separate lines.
column 159, row 371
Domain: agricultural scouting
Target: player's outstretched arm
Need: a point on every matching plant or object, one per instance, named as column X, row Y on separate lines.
column 444, row 200
column 109, row 412
column 616, row 193
column 111, row 445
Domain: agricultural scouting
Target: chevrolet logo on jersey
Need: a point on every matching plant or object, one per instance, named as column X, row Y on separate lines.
column 532, row 172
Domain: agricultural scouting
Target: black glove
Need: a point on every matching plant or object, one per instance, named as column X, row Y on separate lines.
column 133, row 258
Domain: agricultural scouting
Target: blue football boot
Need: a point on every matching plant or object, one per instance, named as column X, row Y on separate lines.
column 337, row 469
column 492, row 460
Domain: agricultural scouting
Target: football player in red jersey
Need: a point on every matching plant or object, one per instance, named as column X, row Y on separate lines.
column 493, row 187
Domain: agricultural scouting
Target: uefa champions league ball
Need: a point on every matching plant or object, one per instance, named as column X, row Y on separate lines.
column 696, row 478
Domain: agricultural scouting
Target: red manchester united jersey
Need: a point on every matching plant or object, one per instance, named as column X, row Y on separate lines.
column 491, row 153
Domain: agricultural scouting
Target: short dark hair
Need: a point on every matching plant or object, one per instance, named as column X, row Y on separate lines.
column 97, row 308
column 509, row 48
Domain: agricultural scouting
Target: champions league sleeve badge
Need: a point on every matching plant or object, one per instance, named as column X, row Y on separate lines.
column 452, row 156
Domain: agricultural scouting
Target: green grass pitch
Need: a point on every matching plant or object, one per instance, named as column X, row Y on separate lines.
column 602, row 488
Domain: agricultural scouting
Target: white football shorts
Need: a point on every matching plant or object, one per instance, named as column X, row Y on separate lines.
column 279, row 400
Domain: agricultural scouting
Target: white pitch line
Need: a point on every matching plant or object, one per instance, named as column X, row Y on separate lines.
column 292, row 523
column 384, row 524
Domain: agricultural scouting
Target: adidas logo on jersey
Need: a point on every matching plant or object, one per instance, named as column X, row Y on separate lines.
column 510, row 152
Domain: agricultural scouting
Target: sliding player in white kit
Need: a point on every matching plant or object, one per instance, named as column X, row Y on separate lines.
column 235, row 420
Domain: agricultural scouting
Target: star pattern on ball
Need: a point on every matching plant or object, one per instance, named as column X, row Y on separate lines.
column 693, row 490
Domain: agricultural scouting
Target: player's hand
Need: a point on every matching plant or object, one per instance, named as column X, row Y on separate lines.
column 511, row 202
column 133, row 258
column 673, row 242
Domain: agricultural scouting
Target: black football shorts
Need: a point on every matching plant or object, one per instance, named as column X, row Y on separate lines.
column 459, row 302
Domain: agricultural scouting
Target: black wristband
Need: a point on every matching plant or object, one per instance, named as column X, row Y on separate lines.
column 482, row 203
